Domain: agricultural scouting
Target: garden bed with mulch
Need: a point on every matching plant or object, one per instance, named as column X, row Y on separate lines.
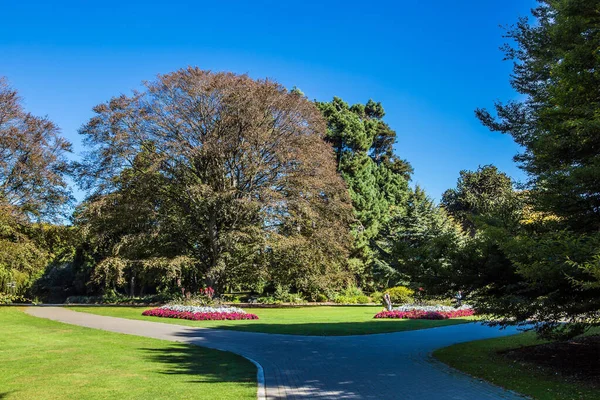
column 577, row 359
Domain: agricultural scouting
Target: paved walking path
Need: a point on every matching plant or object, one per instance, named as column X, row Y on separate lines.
column 382, row 366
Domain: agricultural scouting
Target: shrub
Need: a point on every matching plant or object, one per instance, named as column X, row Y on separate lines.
column 321, row 298
column 363, row 299
column 401, row 295
column 377, row 297
column 352, row 291
column 342, row 299
column 6, row 298
column 119, row 299
column 268, row 300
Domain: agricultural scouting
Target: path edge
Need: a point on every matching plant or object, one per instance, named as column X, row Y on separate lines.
column 261, row 394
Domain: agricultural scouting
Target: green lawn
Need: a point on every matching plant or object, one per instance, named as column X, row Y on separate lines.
column 314, row 321
column 481, row 359
column 43, row 359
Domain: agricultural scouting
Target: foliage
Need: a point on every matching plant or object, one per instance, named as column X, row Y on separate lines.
column 7, row 298
column 115, row 298
column 377, row 297
column 343, row 299
column 33, row 160
column 363, row 299
column 321, row 298
column 351, row 295
column 555, row 68
column 377, row 180
column 482, row 195
column 400, row 294
column 33, row 189
column 236, row 169
column 419, row 245
column 547, row 269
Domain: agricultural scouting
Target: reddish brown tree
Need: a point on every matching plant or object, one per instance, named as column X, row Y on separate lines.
column 32, row 160
column 242, row 165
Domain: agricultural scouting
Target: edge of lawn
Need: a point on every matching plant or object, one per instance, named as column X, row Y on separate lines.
column 275, row 327
column 481, row 359
column 106, row 338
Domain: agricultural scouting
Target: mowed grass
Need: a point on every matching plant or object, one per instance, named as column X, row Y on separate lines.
column 312, row 321
column 481, row 359
column 43, row 359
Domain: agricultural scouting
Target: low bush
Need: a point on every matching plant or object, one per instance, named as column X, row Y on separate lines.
column 401, row 295
column 351, row 295
column 321, row 298
column 342, row 299
column 377, row 297
column 363, row 299
column 6, row 298
column 268, row 300
column 119, row 299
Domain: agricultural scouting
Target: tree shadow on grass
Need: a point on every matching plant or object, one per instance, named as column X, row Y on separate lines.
column 202, row 364
column 339, row 328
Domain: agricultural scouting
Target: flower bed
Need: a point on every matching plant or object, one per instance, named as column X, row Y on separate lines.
column 422, row 314
column 202, row 309
column 199, row 313
column 435, row 308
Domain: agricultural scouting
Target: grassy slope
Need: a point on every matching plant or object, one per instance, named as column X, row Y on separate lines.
column 314, row 321
column 481, row 359
column 42, row 359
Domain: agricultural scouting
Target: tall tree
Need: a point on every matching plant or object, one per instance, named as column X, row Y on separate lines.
column 418, row 246
column 239, row 163
column 33, row 160
column 32, row 188
column 556, row 69
column 377, row 180
column 480, row 194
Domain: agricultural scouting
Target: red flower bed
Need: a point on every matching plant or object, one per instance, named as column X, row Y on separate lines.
column 416, row 314
column 198, row 316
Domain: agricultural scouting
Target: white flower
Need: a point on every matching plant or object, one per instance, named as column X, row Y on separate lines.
column 436, row 308
column 203, row 309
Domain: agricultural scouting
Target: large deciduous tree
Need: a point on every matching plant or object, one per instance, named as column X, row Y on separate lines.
column 32, row 189
column 219, row 175
column 32, row 160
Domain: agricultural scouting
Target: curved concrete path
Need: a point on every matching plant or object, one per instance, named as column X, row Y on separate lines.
column 382, row 366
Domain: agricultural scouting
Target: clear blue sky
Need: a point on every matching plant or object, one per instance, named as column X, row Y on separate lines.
column 430, row 63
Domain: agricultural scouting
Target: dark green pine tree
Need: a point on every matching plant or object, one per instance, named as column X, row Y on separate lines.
column 557, row 69
column 557, row 122
column 377, row 179
column 417, row 246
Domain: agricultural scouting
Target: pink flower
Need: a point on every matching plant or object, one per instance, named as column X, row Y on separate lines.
column 198, row 316
column 417, row 314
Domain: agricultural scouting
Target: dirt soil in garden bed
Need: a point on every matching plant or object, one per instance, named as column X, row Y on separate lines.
column 577, row 359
